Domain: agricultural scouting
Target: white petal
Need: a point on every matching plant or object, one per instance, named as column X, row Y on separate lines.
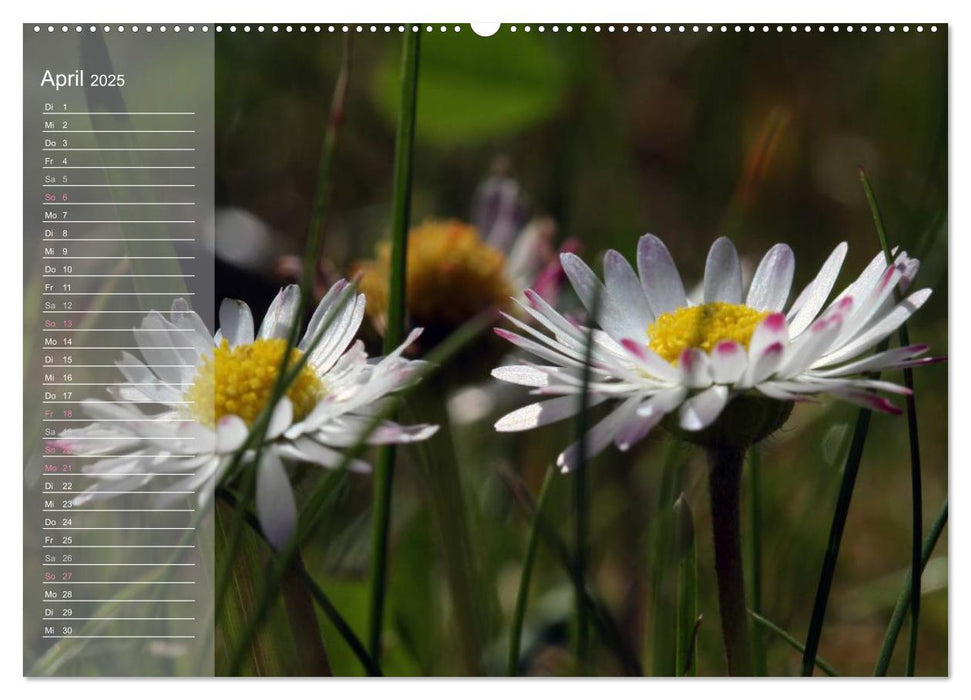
column 817, row 292
column 236, row 322
column 394, row 433
column 280, row 419
column 275, row 505
column 762, row 365
column 307, row 449
column 524, row 375
column 338, row 323
column 281, row 314
column 889, row 359
column 625, row 311
column 880, row 330
column 198, row 334
column 866, row 399
column 561, row 355
column 651, row 362
column 537, row 414
column 701, row 410
column 723, row 273
column 599, row 436
column 231, row 432
column 637, row 428
column 659, row 276
column 695, row 367
column 770, row 331
column 728, row 360
column 807, row 348
column 663, row 401
column 584, row 281
column 773, row 279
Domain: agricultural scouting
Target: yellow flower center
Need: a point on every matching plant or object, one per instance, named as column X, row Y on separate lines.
column 702, row 326
column 238, row 381
column 452, row 275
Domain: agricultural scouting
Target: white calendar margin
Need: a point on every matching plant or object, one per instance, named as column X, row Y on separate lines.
column 509, row 11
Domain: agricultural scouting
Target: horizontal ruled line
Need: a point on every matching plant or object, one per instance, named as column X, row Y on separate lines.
column 188, row 114
column 119, row 221
column 135, row 402
column 118, row 546
column 118, row 149
column 72, row 564
column 138, row 456
column 110, row 420
column 119, row 528
column 119, row 510
column 132, row 275
column 119, row 204
column 118, row 167
column 181, row 493
column 119, row 636
column 117, row 618
column 119, row 131
column 122, row 238
column 160, row 184
column 119, row 600
column 117, row 294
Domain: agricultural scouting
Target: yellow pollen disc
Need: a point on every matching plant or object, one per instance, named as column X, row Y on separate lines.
column 703, row 327
column 452, row 275
column 238, row 381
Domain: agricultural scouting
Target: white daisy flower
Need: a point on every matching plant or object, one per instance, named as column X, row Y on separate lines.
column 205, row 393
column 657, row 354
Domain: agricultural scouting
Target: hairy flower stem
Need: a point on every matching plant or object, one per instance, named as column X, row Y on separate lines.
column 724, row 482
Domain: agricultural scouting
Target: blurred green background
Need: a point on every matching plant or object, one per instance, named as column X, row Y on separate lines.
column 689, row 136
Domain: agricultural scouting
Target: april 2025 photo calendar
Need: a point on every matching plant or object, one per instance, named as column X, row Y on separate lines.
column 485, row 350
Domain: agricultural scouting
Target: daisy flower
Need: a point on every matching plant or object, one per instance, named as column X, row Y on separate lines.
column 454, row 273
column 206, row 392
column 726, row 369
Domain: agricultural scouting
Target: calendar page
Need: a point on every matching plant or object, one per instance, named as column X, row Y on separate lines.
column 505, row 350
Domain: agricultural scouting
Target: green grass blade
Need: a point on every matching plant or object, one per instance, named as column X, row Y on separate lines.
column 687, row 587
column 316, row 592
column 600, row 618
column 916, row 490
column 906, row 593
column 284, row 378
column 793, row 642
column 316, row 505
column 664, row 569
column 397, row 305
column 525, row 577
column 580, row 501
column 850, row 470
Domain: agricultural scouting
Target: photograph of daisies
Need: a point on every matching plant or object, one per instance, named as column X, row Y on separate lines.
column 579, row 351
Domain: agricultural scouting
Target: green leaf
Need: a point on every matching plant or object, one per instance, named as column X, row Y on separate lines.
column 474, row 88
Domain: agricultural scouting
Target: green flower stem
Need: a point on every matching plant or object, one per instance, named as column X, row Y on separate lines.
column 522, row 595
column 401, row 212
column 724, row 481
column 755, row 530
